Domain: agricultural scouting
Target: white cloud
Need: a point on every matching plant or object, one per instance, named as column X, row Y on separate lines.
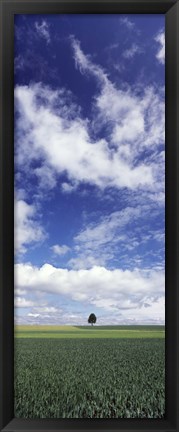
column 132, row 51
column 43, row 30
column 151, row 311
column 39, row 315
column 45, row 310
column 111, row 290
column 88, row 258
column 21, row 302
column 85, row 65
column 46, row 176
column 100, row 242
column 27, row 230
column 127, row 22
column 72, row 151
column 32, row 315
column 105, row 230
column 50, row 129
column 60, row 250
column 20, row 194
column 135, row 123
column 19, row 292
column 59, row 317
column 68, row 187
column 160, row 39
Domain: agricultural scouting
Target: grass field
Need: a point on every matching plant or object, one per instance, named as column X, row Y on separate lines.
column 89, row 332
column 83, row 372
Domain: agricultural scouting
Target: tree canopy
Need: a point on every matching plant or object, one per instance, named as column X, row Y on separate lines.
column 92, row 319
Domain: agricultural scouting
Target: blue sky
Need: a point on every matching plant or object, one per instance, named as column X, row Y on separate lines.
column 89, row 168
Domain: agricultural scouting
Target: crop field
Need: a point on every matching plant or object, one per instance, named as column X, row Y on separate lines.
column 89, row 377
column 100, row 332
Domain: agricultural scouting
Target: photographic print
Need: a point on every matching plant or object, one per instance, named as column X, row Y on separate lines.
column 89, row 157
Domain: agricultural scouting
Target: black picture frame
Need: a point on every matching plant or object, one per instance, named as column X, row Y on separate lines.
column 7, row 10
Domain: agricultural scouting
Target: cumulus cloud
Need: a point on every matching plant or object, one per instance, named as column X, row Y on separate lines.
column 28, row 230
column 135, row 123
column 71, row 149
column 111, row 290
column 43, row 30
column 160, row 39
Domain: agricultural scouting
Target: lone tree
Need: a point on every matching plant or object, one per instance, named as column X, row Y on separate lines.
column 92, row 319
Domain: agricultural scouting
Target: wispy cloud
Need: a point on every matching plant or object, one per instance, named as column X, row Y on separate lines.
column 19, row 62
column 99, row 243
column 85, row 64
column 160, row 39
column 127, row 22
column 132, row 51
column 43, row 30
column 125, row 107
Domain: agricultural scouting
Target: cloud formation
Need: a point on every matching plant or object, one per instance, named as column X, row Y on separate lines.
column 99, row 243
column 160, row 39
column 105, row 159
column 43, row 30
column 111, row 290
column 51, row 131
column 27, row 228
column 133, row 122
column 21, row 302
column 127, row 22
column 132, row 51
column 60, row 250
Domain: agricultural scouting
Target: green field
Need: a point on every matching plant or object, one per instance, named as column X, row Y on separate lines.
column 89, row 332
column 83, row 372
